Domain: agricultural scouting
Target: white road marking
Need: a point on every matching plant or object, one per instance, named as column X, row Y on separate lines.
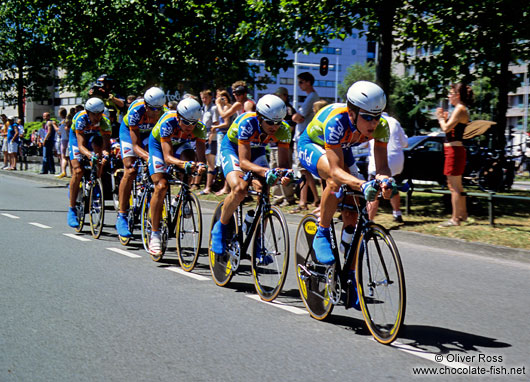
column 280, row 305
column 124, row 253
column 39, row 225
column 434, row 357
column 74, row 236
column 189, row 274
column 11, row 216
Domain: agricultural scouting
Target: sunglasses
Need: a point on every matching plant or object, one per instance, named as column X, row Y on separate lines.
column 270, row 122
column 239, row 93
column 370, row 117
column 154, row 108
column 188, row 122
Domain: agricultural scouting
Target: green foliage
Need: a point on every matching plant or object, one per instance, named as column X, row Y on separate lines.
column 30, row 127
column 354, row 73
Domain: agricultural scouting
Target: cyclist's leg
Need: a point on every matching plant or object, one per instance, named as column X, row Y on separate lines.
column 129, row 172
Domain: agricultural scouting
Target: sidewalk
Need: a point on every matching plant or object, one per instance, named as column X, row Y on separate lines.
column 481, row 249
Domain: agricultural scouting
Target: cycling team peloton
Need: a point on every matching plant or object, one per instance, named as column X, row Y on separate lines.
column 178, row 138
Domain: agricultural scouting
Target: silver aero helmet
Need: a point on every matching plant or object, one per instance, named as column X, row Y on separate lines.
column 95, row 105
column 155, row 97
column 367, row 96
column 271, row 107
column 189, row 110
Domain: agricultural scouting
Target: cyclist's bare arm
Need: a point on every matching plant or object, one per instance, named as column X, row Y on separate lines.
column 336, row 168
column 135, row 138
column 82, row 144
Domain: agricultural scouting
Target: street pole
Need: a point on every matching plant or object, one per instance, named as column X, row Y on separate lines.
column 336, row 74
column 295, row 79
column 525, row 112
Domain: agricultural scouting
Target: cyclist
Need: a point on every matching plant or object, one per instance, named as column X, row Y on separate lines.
column 89, row 137
column 135, row 129
column 243, row 150
column 324, row 149
column 171, row 143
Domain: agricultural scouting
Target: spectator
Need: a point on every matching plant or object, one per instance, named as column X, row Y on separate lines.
column 302, row 117
column 64, row 133
column 3, row 133
column 172, row 105
column 210, row 117
column 23, row 155
column 50, row 127
column 243, row 104
column 460, row 96
column 222, row 102
column 397, row 141
column 12, row 143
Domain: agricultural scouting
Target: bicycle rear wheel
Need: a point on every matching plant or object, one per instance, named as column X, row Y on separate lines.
column 380, row 283
column 97, row 208
column 116, row 177
column 310, row 275
column 221, row 266
column 80, row 206
column 270, row 255
column 145, row 220
column 188, row 231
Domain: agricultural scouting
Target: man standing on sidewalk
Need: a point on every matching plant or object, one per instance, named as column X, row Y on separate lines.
column 48, row 165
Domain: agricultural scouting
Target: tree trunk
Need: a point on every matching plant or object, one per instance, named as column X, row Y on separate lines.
column 386, row 11
column 503, row 84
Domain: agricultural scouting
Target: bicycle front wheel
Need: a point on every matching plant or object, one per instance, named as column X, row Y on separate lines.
column 270, row 254
column 380, row 283
column 221, row 266
column 80, row 206
column 310, row 275
column 145, row 220
column 97, row 208
column 188, row 231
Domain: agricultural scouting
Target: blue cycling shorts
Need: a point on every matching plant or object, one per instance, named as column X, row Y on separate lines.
column 73, row 147
column 126, row 141
column 230, row 157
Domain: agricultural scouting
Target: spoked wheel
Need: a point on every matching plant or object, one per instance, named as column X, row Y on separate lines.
column 97, row 208
column 380, row 284
column 221, row 267
column 188, row 231
column 130, row 219
column 115, row 183
column 146, row 220
column 80, row 206
column 270, row 255
column 311, row 276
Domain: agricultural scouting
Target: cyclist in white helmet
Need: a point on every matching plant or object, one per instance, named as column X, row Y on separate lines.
column 243, row 150
column 324, row 149
column 137, row 124
column 89, row 137
column 170, row 143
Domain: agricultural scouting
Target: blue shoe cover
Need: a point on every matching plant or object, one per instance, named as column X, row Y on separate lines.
column 122, row 226
column 218, row 239
column 72, row 218
column 354, row 299
column 322, row 246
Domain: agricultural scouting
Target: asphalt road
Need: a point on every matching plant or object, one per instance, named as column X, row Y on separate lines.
column 76, row 310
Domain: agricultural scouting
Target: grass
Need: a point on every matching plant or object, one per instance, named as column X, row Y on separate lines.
column 512, row 218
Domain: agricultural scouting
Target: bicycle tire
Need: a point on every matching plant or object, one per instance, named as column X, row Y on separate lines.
column 188, row 231
column 96, row 208
column 115, row 182
column 312, row 288
column 164, row 229
column 380, row 283
column 220, row 266
column 80, row 205
column 145, row 221
column 130, row 221
column 273, row 242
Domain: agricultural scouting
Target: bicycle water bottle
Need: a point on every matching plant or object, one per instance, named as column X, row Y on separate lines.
column 249, row 218
column 347, row 237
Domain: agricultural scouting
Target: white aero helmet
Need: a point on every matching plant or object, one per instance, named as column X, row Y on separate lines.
column 155, row 97
column 95, row 105
column 189, row 110
column 367, row 96
column 271, row 107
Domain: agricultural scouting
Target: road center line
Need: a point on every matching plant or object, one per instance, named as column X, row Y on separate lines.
column 427, row 355
column 277, row 304
column 11, row 216
column 124, row 253
column 74, row 236
column 39, row 225
column 189, row 274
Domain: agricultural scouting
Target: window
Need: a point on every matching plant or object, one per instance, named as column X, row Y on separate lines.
column 286, row 81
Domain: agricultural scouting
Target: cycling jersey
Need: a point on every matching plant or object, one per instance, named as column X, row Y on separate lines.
column 81, row 123
column 168, row 129
column 135, row 119
column 246, row 130
column 331, row 128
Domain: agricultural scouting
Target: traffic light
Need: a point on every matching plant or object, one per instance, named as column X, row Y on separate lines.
column 324, row 66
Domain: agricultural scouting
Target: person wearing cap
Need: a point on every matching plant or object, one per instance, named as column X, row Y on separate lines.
column 243, row 150
column 3, row 133
column 50, row 126
column 170, row 143
column 242, row 105
column 135, row 129
column 89, row 137
column 325, row 151
column 103, row 88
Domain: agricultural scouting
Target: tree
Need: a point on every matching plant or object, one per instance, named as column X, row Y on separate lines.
column 26, row 60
